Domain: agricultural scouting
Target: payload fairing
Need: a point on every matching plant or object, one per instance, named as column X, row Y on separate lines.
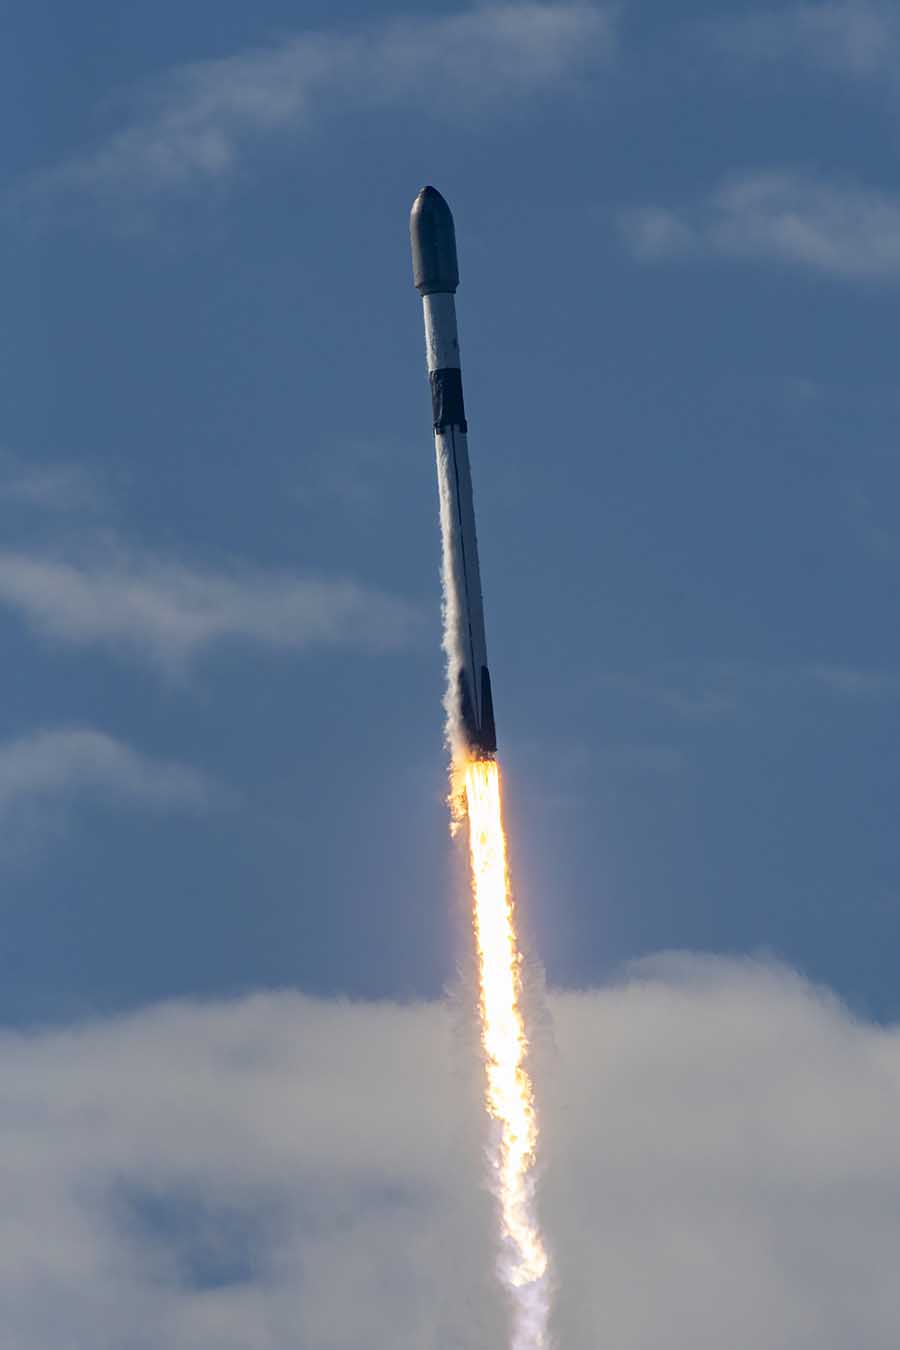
column 436, row 276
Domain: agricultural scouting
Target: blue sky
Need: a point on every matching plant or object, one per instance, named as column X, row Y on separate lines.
column 678, row 239
column 221, row 769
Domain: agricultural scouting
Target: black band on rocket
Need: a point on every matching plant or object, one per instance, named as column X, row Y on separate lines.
column 447, row 399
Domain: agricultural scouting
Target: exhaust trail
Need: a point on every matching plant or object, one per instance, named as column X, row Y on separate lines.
column 509, row 1094
column 475, row 793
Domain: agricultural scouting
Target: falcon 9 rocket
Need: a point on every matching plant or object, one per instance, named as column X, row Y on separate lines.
column 436, row 277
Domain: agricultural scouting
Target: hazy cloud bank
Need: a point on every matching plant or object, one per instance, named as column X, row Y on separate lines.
column 841, row 230
column 168, row 614
column 192, row 125
column 722, row 1147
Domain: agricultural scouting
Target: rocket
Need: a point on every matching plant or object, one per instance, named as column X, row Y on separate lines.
column 436, row 277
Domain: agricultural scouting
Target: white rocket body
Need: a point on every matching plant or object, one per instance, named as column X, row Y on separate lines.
column 470, row 705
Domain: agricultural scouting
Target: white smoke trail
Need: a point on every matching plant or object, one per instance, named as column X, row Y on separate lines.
column 452, row 584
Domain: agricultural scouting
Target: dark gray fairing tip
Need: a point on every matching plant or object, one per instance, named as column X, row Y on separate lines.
column 433, row 240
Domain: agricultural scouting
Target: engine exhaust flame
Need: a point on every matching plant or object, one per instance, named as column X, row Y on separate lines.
column 509, row 1096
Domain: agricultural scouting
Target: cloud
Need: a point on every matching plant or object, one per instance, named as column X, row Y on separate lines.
column 854, row 682
column 58, row 764
column 713, row 690
column 169, row 614
column 872, row 520
column 721, row 1146
column 858, row 38
column 356, row 481
column 840, row 230
column 192, row 126
column 48, row 487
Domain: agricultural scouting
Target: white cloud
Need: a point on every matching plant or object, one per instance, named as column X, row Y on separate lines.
column 168, row 613
column 722, row 1167
column 193, row 124
column 840, row 230
column 859, row 38
column 57, row 764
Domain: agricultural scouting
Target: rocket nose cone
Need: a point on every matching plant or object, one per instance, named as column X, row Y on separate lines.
column 433, row 240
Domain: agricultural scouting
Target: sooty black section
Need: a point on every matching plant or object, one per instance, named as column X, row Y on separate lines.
column 447, row 400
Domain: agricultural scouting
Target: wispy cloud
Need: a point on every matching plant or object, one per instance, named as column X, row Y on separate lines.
column 840, row 230
column 711, row 691
column 196, row 1175
column 855, row 682
column 355, row 481
column 858, row 38
column 48, row 487
column 698, row 694
column 872, row 519
column 168, row 614
column 76, row 761
column 192, row 125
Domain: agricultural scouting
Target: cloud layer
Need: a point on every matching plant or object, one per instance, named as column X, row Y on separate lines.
column 193, row 124
column 722, row 1149
column 841, row 230
column 168, row 614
